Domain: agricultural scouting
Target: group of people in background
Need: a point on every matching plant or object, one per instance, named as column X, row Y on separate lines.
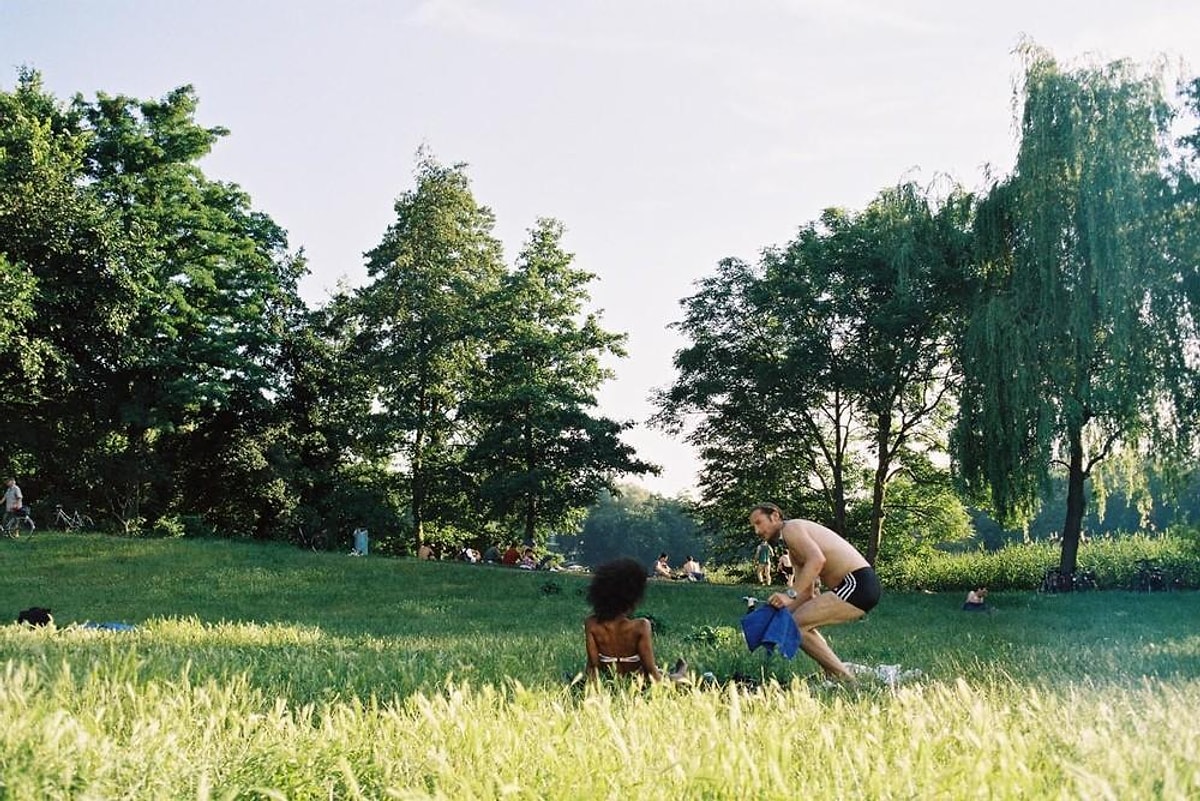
column 690, row 571
column 511, row 556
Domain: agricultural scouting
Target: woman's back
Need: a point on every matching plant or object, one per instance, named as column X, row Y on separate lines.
column 621, row 644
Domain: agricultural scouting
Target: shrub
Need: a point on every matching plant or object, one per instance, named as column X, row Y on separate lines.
column 1022, row 567
column 167, row 526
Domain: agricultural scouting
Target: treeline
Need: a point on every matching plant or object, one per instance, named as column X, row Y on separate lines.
column 891, row 370
column 940, row 349
column 162, row 372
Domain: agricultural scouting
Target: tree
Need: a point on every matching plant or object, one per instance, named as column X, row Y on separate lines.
column 64, row 300
column 539, row 450
column 890, row 283
column 760, row 430
column 421, row 325
column 212, row 284
column 837, row 346
column 1080, row 341
column 639, row 524
column 160, row 297
column 336, row 479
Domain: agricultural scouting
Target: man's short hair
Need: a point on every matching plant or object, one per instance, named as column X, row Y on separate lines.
column 767, row 509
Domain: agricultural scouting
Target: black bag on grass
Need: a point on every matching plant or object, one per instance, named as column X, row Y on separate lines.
column 35, row 616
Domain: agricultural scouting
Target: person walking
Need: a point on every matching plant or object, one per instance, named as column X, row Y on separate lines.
column 762, row 562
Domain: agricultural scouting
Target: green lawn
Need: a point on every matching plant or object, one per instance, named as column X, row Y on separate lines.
column 263, row 671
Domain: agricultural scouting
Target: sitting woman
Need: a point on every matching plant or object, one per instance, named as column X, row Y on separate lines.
column 616, row 642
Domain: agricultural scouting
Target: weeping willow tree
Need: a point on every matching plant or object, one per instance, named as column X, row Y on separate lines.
column 1078, row 344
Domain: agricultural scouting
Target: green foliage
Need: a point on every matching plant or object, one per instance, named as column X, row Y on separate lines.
column 168, row 526
column 419, row 333
column 1079, row 341
column 638, row 524
column 149, row 348
column 818, row 374
column 1022, row 567
column 714, row 635
column 923, row 512
column 540, row 454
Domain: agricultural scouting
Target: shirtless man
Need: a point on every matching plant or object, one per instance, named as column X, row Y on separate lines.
column 818, row 553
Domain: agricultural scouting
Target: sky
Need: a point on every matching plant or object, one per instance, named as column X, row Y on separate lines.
column 665, row 134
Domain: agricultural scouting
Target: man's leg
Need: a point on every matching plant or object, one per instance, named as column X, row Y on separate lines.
column 824, row 610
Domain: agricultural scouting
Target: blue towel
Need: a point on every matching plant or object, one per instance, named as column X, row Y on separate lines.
column 110, row 625
column 771, row 628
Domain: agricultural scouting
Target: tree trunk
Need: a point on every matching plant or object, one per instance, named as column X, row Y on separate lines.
column 1073, row 525
column 531, row 495
column 418, row 489
column 879, row 485
column 839, row 502
column 530, row 519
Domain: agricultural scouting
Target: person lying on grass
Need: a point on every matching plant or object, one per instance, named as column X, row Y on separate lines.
column 617, row 643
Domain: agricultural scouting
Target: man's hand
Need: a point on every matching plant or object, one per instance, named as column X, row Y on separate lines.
column 779, row 600
column 788, row 599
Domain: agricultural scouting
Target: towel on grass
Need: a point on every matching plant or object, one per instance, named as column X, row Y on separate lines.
column 110, row 625
column 772, row 629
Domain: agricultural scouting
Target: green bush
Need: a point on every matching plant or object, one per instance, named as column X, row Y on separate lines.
column 1021, row 567
column 167, row 527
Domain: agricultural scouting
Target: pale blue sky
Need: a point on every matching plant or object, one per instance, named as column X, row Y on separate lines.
column 665, row 135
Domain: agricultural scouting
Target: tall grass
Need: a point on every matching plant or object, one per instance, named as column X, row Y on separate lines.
column 265, row 672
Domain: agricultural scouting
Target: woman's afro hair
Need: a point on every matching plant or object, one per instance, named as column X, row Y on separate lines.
column 616, row 588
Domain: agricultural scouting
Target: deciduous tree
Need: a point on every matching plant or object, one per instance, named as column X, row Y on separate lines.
column 541, row 451
column 1082, row 338
column 422, row 323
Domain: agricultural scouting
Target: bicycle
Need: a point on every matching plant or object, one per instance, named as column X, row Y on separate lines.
column 310, row 539
column 17, row 519
column 71, row 521
column 1055, row 581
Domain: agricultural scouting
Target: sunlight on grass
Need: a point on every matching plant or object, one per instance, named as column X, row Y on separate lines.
column 105, row 731
column 395, row 679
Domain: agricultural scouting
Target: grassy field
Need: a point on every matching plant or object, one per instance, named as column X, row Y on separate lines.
column 263, row 671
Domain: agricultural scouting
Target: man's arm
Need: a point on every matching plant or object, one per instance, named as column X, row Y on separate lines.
column 645, row 649
column 801, row 547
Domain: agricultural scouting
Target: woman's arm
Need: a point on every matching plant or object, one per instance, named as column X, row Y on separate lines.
column 645, row 649
column 593, row 651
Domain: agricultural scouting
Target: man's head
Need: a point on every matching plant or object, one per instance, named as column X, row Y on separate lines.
column 767, row 519
column 8, row 482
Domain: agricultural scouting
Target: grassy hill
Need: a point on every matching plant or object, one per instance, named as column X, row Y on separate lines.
column 260, row 670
